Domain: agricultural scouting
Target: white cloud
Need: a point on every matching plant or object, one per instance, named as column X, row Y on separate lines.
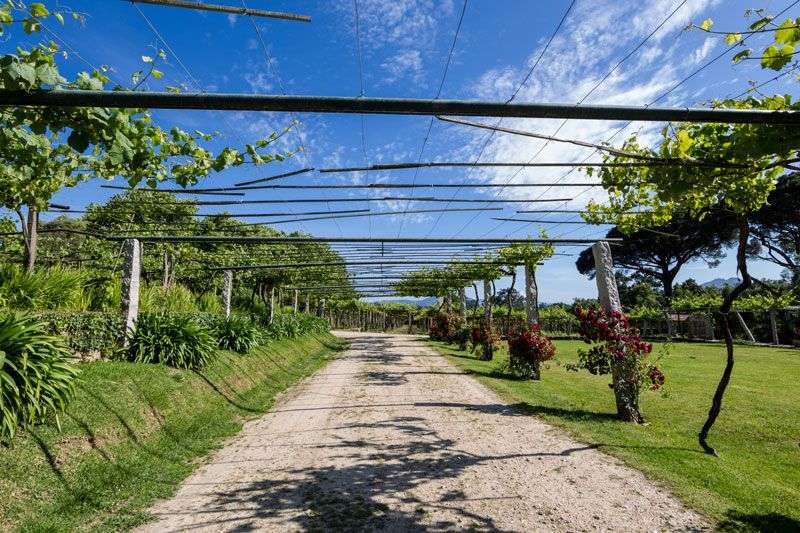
column 406, row 64
column 232, row 19
column 701, row 53
column 576, row 68
column 258, row 81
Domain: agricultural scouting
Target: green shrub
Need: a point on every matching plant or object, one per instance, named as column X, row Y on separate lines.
column 36, row 377
column 55, row 288
column 85, row 332
column 208, row 302
column 173, row 299
column 173, row 340
column 289, row 326
column 238, row 333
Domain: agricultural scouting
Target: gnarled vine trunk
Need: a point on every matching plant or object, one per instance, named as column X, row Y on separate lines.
column 725, row 311
column 624, row 378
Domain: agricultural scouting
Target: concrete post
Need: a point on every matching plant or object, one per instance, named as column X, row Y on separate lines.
column 271, row 305
column 462, row 300
column 307, row 307
column 531, row 295
column 296, row 295
column 227, row 291
column 773, row 326
column 747, row 332
column 607, row 290
column 626, row 392
column 131, row 275
column 448, row 304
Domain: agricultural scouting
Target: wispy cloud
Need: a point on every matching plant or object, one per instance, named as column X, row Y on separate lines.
column 595, row 37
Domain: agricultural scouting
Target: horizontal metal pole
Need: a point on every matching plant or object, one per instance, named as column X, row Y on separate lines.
column 225, row 190
column 273, row 178
column 233, row 10
column 531, row 221
column 364, row 199
column 549, row 164
column 359, row 263
column 387, row 106
column 305, row 240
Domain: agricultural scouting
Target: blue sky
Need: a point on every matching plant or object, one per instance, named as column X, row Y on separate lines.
column 405, row 45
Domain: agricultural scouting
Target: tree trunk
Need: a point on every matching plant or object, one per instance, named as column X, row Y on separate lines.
column 508, row 300
column 623, row 380
column 462, row 300
column 531, row 295
column 725, row 310
column 477, row 299
column 487, row 317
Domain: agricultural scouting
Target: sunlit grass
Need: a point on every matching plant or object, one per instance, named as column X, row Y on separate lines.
column 754, row 484
column 135, row 431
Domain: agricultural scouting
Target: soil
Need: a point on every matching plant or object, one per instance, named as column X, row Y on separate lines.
column 392, row 437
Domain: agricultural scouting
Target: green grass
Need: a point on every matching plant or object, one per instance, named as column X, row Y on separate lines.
column 135, row 431
column 755, row 482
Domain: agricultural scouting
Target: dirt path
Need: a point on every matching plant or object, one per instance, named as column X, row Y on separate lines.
column 392, row 437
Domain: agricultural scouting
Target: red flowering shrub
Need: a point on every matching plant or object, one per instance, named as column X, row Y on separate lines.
column 527, row 348
column 442, row 328
column 614, row 340
column 484, row 337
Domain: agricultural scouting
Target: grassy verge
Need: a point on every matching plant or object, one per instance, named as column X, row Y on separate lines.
column 754, row 484
column 134, row 431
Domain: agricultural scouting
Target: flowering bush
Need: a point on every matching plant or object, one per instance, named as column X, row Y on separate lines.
column 442, row 328
column 616, row 341
column 483, row 337
column 527, row 349
column 462, row 337
column 618, row 349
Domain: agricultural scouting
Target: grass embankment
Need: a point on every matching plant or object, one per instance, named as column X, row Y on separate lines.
column 135, row 431
column 753, row 485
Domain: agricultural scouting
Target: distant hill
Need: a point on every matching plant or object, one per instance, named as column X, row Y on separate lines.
column 719, row 283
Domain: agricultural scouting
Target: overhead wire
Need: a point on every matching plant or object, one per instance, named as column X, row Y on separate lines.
column 580, row 101
column 524, row 81
column 269, row 60
column 680, row 83
column 438, row 94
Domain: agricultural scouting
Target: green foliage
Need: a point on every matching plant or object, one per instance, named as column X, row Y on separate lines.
column 208, row 302
column 36, row 377
column 55, row 288
column 287, row 326
column 154, row 298
column 86, row 332
column 238, row 334
column 173, row 340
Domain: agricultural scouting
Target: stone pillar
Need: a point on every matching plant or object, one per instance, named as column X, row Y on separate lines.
column 773, row 326
column 462, row 300
column 531, row 295
column 607, row 291
column 131, row 274
column 227, row 291
column 626, row 392
column 307, row 308
column 296, row 295
column 448, row 304
column 322, row 307
column 271, row 304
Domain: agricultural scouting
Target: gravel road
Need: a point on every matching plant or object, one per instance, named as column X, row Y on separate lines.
column 392, row 437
